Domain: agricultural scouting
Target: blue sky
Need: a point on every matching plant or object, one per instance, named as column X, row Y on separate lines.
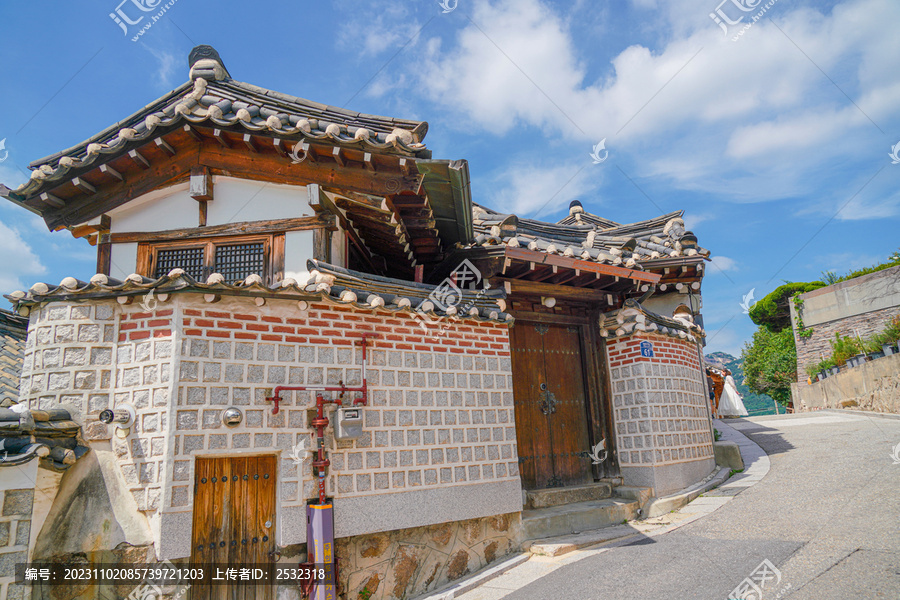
column 776, row 142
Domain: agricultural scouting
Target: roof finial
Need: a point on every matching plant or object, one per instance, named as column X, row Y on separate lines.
column 206, row 63
column 575, row 207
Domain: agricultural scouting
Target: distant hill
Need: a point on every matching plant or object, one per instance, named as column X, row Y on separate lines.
column 756, row 404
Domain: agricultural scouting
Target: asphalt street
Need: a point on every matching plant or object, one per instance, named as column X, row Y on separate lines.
column 826, row 517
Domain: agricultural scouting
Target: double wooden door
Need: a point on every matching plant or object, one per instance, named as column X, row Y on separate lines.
column 234, row 524
column 550, row 405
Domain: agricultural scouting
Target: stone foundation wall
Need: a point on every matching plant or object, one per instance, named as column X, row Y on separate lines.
column 661, row 412
column 409, row 562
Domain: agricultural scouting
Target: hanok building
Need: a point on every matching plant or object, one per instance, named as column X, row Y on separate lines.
column 248, row 240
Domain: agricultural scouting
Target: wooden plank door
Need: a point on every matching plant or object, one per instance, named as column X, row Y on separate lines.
column 233, row 522
column 550, row 405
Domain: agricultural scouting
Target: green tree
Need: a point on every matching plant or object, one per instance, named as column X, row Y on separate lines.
column 770, row 363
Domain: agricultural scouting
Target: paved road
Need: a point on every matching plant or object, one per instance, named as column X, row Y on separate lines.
column 827, row 516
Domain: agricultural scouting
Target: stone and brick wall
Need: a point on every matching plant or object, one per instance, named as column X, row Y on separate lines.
column 439, row 436
column 813, row 349
column 861, row 306
column 661, row 412
column 15, row 531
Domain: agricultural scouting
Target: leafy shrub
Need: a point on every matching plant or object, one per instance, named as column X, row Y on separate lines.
column 773, row 310
column 844, row 347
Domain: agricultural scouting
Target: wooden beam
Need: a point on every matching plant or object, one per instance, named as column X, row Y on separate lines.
column 347, row 226
column 164, row 146
column 193, row 133
column 308, row 152
column 204, row 208
column 139, row 160
column 270, row 167
column 243, row 228
column 404, row 165
column 108, row 170
column 248, row 141
column 48, row 198
column 338, row 155
column 367, row 160
column 112, row 196
column 521, row 315
column 201, row 186
column 583, row 265
column 84, row 186
column 220, row 137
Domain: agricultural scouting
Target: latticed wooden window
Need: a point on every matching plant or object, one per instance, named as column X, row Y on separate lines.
column 238, row 261
column 192, row 260
column 235, row 257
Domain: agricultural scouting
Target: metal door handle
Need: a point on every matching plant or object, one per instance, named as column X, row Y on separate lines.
column 548, row 402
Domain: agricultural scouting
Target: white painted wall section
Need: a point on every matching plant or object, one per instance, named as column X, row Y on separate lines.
column 123, row 260
column 238, row 200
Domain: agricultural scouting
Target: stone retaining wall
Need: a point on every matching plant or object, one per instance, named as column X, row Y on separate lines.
column 874, row 386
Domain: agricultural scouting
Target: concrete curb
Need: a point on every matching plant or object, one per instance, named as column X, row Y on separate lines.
column 844, row 411
column 477, row 579
column 666, row 504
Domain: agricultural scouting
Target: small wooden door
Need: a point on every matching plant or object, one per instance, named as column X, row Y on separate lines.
column 550, row 406
column 234, row 522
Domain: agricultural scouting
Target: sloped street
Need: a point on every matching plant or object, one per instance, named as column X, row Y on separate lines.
column 826, row 516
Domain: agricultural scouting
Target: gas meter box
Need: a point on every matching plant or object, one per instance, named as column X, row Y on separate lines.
column 349, row 423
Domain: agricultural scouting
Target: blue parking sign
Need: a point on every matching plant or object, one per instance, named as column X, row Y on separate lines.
column 647, row 349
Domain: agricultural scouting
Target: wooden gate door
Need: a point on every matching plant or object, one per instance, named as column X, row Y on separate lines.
column 550, row 407
column 234, row 522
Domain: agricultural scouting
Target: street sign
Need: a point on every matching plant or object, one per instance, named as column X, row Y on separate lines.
column 647, row 349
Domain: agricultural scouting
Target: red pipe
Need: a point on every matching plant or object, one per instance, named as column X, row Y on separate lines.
column 321, row 421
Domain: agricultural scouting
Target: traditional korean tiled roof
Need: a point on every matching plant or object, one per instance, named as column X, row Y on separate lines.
column 325, row 283
column 589, row 237
column 633, row 317
column 213, row 98
column 13, row 329
column 50, row 435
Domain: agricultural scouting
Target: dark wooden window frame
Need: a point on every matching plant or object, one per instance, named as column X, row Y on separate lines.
column 273, row 253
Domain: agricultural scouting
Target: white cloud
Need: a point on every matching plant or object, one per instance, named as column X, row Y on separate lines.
column 169, row 65
column 19, row 261
column 720, row 264
column 538, row 190
column 692, row 220
column 377, row 27
column 727, row 117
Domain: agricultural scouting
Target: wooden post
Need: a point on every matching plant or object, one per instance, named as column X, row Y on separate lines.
column 322, row 244
column 201, row 188
column 104, row 247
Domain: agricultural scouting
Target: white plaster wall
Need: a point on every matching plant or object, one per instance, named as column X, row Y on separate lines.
column 243, row 200
column 235, row 200
column 168, row 208
column 298, row 248
column 123, row 260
